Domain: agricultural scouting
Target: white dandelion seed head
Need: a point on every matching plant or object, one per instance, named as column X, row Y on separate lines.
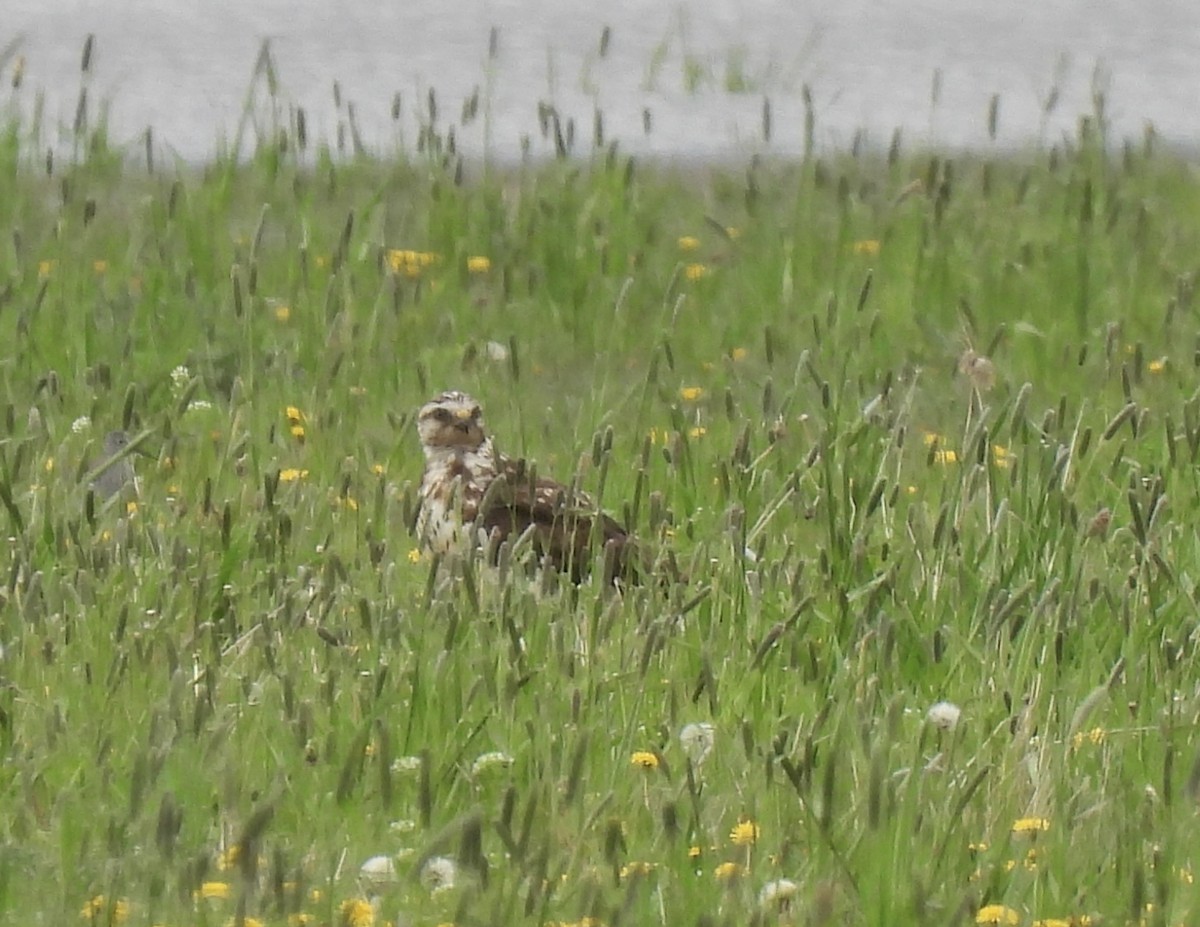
column 81, row 424
column 377, row 874
column 487, row 761
column 439, row 874
column 406, row 764
column 777, row 894
column 697, row 741
column 944, row 715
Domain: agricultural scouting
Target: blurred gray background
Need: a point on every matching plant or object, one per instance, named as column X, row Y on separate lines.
column 701, row 69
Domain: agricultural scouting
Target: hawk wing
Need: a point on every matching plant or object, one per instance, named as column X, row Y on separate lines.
column 561, row 521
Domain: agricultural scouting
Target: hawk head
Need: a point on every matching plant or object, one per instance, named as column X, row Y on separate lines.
column 452, row 421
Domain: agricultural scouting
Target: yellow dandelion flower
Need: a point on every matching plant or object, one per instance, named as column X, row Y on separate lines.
column 293, row 415
column 739, row 354
column 689, row 243
column 1185, row 875
column 49, row 465
column 1157, row 366
column 298, row 432
column 131, row 508
column 45, row 268
column 357, row 912
column 733, row 232
column 727, row 871
column 321, row 260
column 291, row 474
column 479, row 264
column 977, row 847
column 695, row 271
column 644, row 759
column 744, row 833
column 1001, row 456
column 244, row 922
column 868, row 246
column 691, row 393
column 315, row 895
column 228, row 859
column 1030, row 825
column 100, row 267
column 349, row 502
column 636, row 868
column 911, row 490
column 694, row 852
column 370, row 749
column 945, row 457
column 931, row 437
column 378, row 469
column 698, row 432
column 414, row 555
column 283, row 312
column 997, row 914
column 1095, row 736
column 216, row 890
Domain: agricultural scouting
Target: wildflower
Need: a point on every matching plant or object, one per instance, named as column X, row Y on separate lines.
column 868, row 246
column 244, row 922
column 695, row 271
column 1030, row 825
column 81, row 424
column 744, row 833
column 291, row 474
column 131, row 507
column 348, row 501
column 99, row 267
column 644, row 759
column 691, row 393
column 733, row 232
column 283, row 312
column 698, row 432
column 439, row 874
column 358, row 391
column 977, row 847
column 403, row 826
column 179, row 377
column 1157, row 366
column 44, row 268
column 911, row 490
column 479, row 264
column 931, row 438
column 739, row 354
column 689, row 243
column 694, row 852
column 945, row 457
column 321, row 260
column 97, row 908
column 215, row 890
column 228, row 858
column 496, row 351
column 944, row 715
column 293, row 415
column 636, row 869
column 727, row 871
column 1001, row 456
column 199, row 405
column 997, row 914
column 378, row 469
column 697, row 741
column 410, row 263
column 778, row 894
column 297, row 432
column 414, row 555
column 494, row 759
column 406, row 764
column 357, row 912
column 1095, row 736
column 370, row 749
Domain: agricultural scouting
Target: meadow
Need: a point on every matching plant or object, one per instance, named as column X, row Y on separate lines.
column 921, row 429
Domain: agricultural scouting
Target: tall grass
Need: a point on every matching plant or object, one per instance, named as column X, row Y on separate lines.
column 221, row 699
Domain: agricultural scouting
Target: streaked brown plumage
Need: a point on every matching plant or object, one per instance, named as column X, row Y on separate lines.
column 473, row 495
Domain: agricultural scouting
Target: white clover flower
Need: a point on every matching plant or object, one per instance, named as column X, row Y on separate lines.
column 439, row 874
column 377, row 874
column 944, row 715
column 81, row 424
column 199, row 405
column 486, row 761
column 778, row 894
column 406, row 764
column 180, row 376
column 405, row 826
column 697, row 741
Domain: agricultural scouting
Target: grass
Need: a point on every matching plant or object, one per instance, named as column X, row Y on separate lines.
column 219, row 701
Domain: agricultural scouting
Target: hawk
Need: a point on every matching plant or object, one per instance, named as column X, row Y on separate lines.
column 471, row 494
